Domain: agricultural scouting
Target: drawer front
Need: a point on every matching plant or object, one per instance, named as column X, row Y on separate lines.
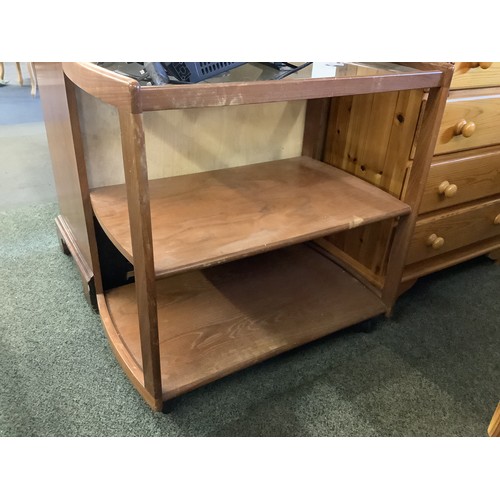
column 475, row 75
column 455, row 229
column 469, row 122
column 461, row 177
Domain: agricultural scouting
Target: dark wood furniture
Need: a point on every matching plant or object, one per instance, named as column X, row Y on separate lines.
column 205, row 272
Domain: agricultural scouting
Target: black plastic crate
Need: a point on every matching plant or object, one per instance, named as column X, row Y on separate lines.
column 193, row 72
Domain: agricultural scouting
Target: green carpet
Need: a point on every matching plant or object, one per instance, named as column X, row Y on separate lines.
column 432, row 370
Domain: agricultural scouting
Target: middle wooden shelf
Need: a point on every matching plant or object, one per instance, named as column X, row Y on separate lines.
column 208, row 218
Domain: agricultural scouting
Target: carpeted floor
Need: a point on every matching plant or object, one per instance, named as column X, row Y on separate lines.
column 432, row 370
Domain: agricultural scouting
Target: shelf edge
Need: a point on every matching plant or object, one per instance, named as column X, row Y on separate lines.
column 122, row 354
column 239, row 93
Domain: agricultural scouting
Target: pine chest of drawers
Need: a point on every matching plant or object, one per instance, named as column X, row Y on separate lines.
column 459, row 214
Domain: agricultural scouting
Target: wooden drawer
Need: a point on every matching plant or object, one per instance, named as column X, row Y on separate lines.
column 461, row 177
column 471, row 119
column 453, row 230
column 474, row 75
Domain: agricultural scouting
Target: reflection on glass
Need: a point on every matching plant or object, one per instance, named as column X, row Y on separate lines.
column 255, row 71
column 265, row 71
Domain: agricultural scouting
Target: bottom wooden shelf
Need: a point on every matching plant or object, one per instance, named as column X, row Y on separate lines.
column 216, row 321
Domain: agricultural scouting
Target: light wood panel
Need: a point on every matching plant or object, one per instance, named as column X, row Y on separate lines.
column 491, row 246
column 372, row 137
column 101, row 140
column 222, row 319
column 458, row 228
column 367, row 244
column 475, row 75
column 206, row 218
column 188, row 141
column 426, row 142
column 180, row 142
column 455, row 179
column 480, row 114
column 464, row 175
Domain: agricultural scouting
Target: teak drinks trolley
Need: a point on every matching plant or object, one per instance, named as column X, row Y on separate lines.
column 199, row 275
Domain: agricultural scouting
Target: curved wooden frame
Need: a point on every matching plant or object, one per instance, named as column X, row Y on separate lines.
column 121, row 91
column 111, row 88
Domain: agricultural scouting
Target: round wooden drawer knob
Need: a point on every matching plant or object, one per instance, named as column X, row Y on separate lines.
column 465, row 128
column 497, row 219
column 435, row 241
column 485, row 65
column 449, row 190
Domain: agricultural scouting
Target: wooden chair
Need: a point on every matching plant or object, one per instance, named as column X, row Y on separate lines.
column 494, row 427
column 31, row 70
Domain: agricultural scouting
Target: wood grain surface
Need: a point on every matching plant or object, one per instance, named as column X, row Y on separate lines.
column 476, row 175
column 230, row 94
column 108, row 86
column 371, row 136
column 219, row 320
column 459, row 228
column 472, row 75
column 481, row 108
column 62, row 143
column 138, row 206
column 490, row 246
column 208, row 218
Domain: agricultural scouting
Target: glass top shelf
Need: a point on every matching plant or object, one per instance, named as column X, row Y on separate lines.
column 263, row 71
column 250, row 83
column 255, row 71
